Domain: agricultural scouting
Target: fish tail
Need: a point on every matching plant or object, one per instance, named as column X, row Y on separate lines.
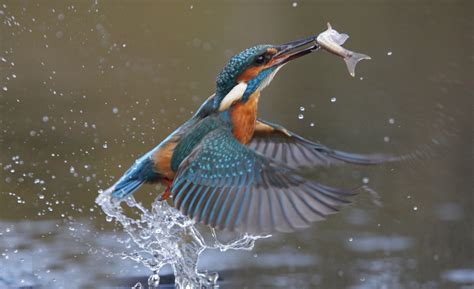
column 352, row 61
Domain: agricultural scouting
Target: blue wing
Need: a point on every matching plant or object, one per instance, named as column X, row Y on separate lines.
column 279, row 144
column 226, row 185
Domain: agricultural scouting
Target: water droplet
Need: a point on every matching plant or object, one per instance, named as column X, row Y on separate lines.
column 45, row 118
column 104, row 145
column 386, row 139
column 300, row 116
column 351, row 239
column 302, row 108
column 295, row 4
column 41, row 196
column 115, row 110
column 389, row 53
column 361, row 78
column 60, row 16
column 415, row 208
column 124, row 45
column 163, row 225
column 154, row 281
column 391, row 121
column 365, row 180
column 32, row 133
column 311, row 124
column 5, row 88
column 333, row 99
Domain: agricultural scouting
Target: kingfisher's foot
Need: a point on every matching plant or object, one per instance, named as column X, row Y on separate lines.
column 166, row 194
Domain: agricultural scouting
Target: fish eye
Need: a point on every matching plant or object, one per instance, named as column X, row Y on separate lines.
column 260, row 59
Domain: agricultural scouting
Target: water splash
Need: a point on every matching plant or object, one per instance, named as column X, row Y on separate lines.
column 163, row 236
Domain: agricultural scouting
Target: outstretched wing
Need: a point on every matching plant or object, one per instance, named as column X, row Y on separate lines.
column 226, row 185
column 279, row 144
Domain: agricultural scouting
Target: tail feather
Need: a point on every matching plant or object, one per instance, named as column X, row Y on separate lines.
column 140, row 172
column 125, row 188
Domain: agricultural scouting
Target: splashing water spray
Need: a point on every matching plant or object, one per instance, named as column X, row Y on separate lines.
column 163, row 236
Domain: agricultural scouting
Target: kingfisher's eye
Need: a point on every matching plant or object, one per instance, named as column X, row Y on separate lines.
column 260, row 59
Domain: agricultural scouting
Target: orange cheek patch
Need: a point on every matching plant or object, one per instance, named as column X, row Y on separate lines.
column 249, row 74
column 252, row 72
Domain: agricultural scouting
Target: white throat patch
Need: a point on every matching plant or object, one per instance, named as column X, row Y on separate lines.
column 234, row 95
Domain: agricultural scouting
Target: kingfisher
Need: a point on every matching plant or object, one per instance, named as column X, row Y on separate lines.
column 231, row 170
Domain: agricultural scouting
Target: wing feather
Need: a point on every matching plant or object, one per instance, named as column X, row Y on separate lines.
column 281, row 145
column 194, row 213
column 227, row 185
column 200, row 192
column 204, row 215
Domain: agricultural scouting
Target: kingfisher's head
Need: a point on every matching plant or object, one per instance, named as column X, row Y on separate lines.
column 254, row 68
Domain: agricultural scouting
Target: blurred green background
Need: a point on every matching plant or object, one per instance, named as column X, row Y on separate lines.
column 88, row 86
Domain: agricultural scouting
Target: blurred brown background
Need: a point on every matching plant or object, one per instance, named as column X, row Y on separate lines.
column 88, row 86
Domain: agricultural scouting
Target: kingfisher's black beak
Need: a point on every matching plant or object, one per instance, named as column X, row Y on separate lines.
column 293, row 50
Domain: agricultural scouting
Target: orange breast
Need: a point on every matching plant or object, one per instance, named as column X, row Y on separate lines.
column 244, row 117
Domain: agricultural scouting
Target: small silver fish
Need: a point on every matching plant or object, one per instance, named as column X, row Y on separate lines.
column 331, row 40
